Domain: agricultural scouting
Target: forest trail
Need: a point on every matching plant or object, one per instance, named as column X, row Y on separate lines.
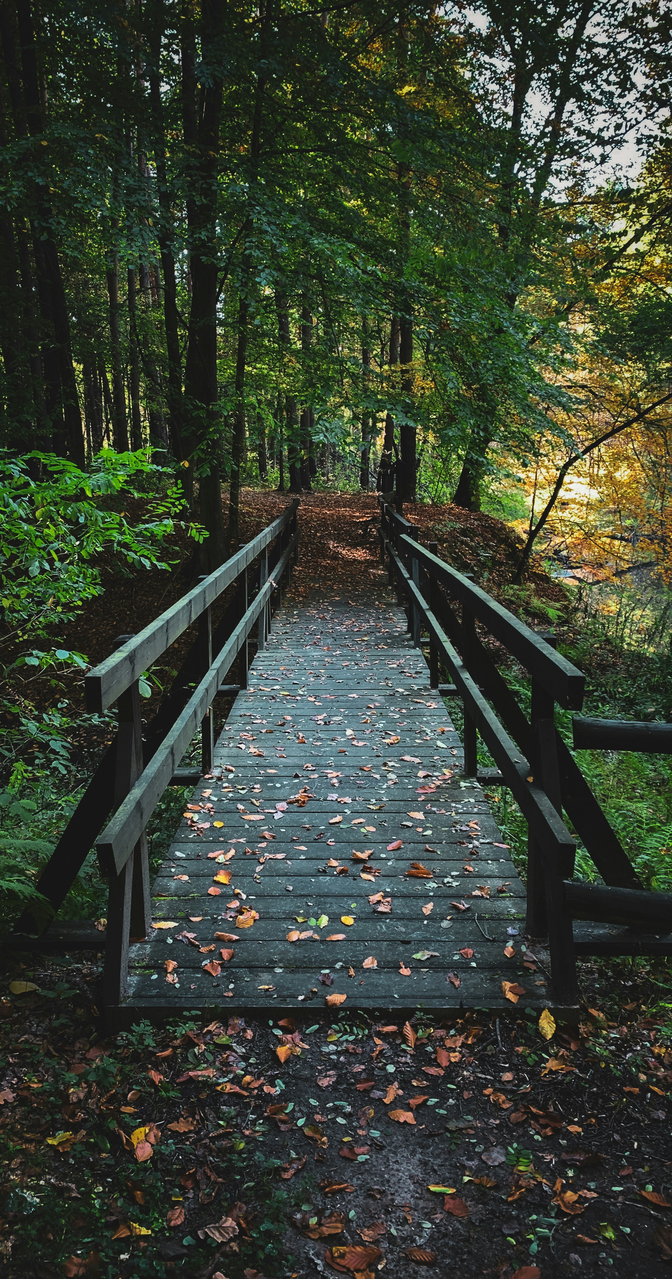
column 354, row 861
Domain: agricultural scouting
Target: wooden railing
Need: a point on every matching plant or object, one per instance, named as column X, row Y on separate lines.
column 137, row 768
column 532, row 758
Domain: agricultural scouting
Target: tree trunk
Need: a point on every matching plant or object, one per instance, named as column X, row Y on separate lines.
column 119, row 423
column 387, row 467
column 134, row 362
column 407, row 469
column 201, row 135
column 262, row 456
column 365, row 451
column 62, row 398
column 306, row 412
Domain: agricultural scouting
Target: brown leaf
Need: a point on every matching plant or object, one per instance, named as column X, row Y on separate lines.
column 370, row 1233
column 662, row 1238
column 404, row 971
column 353, row 1258
column 283, row 1051
column 336, row 1187
column 213, row 968
column 428, row 908
column 659, row 1200
column 527, row 1272
column 222, row 1230
column 402, row 1116
column 336, row 937
column 294, row 1165
column 175, row 1217
column 184, row 1124
column 312, row 1130
column 396, row 843
column 333, row 1224
column 511, row 990
column 455, row 980
column 416, row 870
column 227, row 955
column 409, row 1034
column 370, row 962
column 226, row 937
column 333, row 1001
column 325, row 1080
column 416, row 1101
column 455, row 1206
column 421, row 1256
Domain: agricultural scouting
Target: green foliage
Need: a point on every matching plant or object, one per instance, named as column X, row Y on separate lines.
column 54, row 526
column 21, row 853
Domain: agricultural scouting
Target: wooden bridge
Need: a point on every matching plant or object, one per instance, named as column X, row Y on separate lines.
column 339, row 847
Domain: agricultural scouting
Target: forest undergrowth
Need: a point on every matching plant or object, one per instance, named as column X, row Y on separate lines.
column 210, row 1153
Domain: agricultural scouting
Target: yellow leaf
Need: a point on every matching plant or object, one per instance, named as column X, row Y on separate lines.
column 165, row 923
column 140, row 1134
column 283, row 1051
column 60, row 1138
column 138, row 1230
column 22, row 987
column 547, row 1024
column 214, row 824
column 347, row 919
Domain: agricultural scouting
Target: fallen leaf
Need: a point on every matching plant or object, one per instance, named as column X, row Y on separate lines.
column 283, row 1051
column 370, row 962
column 347, row 919
column 293, row 935
column 659, row 1200
column 222, row 1230
column 421, row 1256
column 336, row 937
column 164, row 923
column 662, row 1238
column 213, row 968
column 396, row 843
column 442, row 1190
column 547, row 1024
column 556, row 1064
column 454, row 980
column 182, row 1125
column 511, row 990
column 370, row 1233
column 214, row 891
column 416, row 870
column 175, row 1217
column 404, row 971
column 417, row 1101
column 356, row 1258
column 22, row 987
column 456, row 1207
column 527, row 1272
column 335, row 821
column 428, row 908
column 402, row 1116
column 324, row 1081
column 223, row 877
column 426, row 954
column 332, row 1001
column 295, row 1165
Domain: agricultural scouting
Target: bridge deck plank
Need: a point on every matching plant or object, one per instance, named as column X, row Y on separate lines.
column 378, row 749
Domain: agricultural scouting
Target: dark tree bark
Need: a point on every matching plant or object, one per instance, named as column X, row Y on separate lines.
column 27, row 103
column 134, row 361
column 201, row 119
column 307, row 416
column 291, row 415
column 387, row 467
column 119, row 422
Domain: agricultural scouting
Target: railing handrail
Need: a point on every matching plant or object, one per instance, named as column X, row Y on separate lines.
column 107, row 681
column 558, row 676
column 115, row 845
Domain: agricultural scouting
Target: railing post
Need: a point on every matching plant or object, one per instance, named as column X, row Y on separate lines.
column 470, row 737
column 432, row 588
column 545, row 910
column 263, row 616
column 415, row 618
column 205, row 662
column 245, row 650
column 129, row 906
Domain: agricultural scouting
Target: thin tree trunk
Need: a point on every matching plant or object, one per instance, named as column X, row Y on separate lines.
column 134, row 362
column 262, row 456
column 119, row 423
column 306, row 413
column 201, row 135
column 365, row 451
column 386, row 470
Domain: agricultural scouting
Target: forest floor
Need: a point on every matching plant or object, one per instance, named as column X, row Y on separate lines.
column 241, row 1150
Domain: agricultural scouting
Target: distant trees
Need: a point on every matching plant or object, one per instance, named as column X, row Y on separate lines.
column 268, row 241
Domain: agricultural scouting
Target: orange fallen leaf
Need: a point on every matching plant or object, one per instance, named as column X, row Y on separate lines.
column 404, row 971
column 283, row 1051
column 227, row 955
column 416, row 870
column 428, row 908
column 370, row 962
column 512, row 990
column 213, row 891
column 293, row 935
column 332, row 1001
column 336, row 937
column 396, row 843
column 175, row 1217
column 409, row 1034
column 402, row 1116
column 223, row 877
column 659, row 1200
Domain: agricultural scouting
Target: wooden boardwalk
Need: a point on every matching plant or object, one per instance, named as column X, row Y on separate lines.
column 338, row 814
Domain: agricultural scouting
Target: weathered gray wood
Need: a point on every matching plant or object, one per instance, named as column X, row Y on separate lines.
column 116, row 843
column 555, row 672
column 622, row 735
column 108, row 680
column 633, row 907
